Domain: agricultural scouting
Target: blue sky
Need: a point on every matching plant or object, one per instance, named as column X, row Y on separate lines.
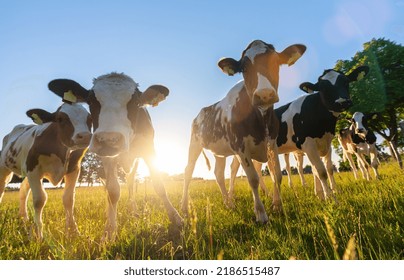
column 175, row 43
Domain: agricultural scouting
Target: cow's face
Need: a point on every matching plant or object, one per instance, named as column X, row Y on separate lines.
column 259, row 65
column 358, row 124
column 72, row 122
column 333, row 87
column 114, row 103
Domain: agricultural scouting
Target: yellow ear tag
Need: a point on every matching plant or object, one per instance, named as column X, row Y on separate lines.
column 36, row 119
column 361, row 75
column 69, row 96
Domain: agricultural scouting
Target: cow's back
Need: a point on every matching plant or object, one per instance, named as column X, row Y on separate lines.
column 16, row 146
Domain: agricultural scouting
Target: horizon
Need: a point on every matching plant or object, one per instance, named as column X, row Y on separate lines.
column 176, row 44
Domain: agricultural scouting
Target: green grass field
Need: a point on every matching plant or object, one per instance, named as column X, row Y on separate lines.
column 366, row 223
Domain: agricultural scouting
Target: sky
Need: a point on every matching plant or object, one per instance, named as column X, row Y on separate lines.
column 175, row 43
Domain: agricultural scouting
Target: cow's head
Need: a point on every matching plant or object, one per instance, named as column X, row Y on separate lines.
column 259, row 65
column 72, row 122
column 114, row 103
column 360, row 123
column 333, row 87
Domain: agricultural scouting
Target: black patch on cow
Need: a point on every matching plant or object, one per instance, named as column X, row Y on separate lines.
column 370, row 138
column 283, row 126
column 314, row 120
column 95, row 108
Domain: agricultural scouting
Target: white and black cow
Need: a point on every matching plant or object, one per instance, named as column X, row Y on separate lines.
column 307, row 124
column 238, row 124
column 359, row 140
column 53, row 149
column 122, row 132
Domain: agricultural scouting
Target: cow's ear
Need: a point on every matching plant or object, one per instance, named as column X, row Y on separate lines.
column 358, row 73
column 229, row 66
column 308, row 87
column 69, row 90
column 153, row 95
column 291, row 54
column 40, row 116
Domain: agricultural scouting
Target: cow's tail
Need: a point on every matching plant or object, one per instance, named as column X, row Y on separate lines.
column 206, row 160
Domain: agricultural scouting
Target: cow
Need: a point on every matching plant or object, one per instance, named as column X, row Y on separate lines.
column 359, row 140
column 52, row 149
column 123, row 132
column 307, row 124
column 238, row 124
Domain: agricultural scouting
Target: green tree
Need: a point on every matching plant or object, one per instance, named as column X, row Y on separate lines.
column 91, row 169
column 382, row 90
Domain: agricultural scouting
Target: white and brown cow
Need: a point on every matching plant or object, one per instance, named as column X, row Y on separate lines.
column 359, row 140
column 307, row 124
column 122, row 132
column 238, row 124
column 53, row 149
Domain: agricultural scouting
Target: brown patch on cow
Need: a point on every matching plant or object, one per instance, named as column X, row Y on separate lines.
column 74, row 160
column 47, row 143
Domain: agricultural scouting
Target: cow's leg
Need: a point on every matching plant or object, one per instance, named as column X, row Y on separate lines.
column 158, row 185
column 374, row 162
column 5, row 177
column 114, row 193
column 310, row 148
column 235, row 165
column 330, row 170
column 24, row 192
column 219, row 174
column 318, row 189
column 68, row 200
column 253, row 180
column 348, row 156
column 130, row 182
column 276, row 174
column 39, row 198
column 288, row 169
column 363, row 165
column 299, row 161
column 195, row 149
column 258, row 167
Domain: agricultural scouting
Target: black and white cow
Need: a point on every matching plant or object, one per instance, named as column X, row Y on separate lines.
column 53, row 149
column 123, row 132
column 307, row 124
column 359, row 140
column 238, row 124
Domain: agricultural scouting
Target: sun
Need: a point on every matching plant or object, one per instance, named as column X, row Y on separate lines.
column 170, row 159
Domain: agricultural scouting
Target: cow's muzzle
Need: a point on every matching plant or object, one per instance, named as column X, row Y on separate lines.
column 108, row 144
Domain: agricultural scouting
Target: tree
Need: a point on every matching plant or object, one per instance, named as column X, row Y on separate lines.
column 382, row 90
column 91, row 169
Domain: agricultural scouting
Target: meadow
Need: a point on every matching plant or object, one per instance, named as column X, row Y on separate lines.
column 366, row 222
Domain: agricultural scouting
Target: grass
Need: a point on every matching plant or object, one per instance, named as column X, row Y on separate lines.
column 366, row 223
